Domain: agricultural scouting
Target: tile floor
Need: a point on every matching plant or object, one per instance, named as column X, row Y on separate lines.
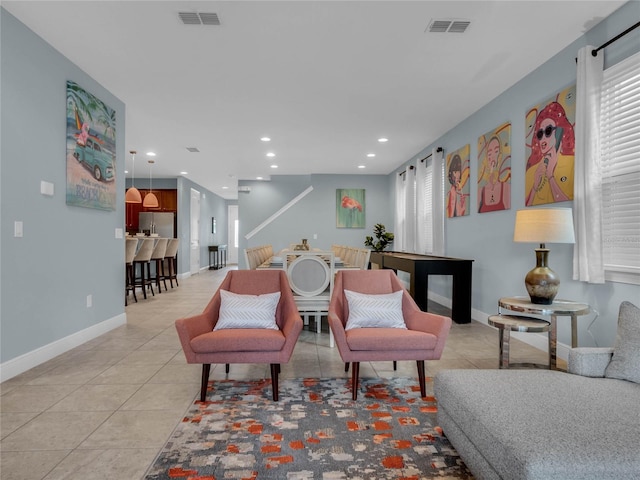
column 106, row 408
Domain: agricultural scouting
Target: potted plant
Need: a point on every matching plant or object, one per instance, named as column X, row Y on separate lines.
column 384, row 238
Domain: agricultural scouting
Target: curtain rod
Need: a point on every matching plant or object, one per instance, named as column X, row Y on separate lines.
column 617, row 37
column 439, row 149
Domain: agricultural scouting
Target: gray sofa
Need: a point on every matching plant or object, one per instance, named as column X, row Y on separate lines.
column 543, row 424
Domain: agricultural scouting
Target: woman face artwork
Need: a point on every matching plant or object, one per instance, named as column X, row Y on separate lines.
column 546, row 135
column 455, row 171
column 493, row 153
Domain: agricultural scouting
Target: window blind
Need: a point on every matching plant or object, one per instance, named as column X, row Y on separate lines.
column 620, row 156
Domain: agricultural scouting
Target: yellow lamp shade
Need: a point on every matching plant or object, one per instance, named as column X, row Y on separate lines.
column 150, row 201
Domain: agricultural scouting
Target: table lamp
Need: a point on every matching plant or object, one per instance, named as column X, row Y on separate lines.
column 543, row 225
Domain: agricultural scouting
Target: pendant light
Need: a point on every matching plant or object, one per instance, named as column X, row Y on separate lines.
column 150, row 200
column 133, row 194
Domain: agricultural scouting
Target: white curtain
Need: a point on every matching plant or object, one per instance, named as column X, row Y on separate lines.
column 398, row 232
column 438, row 201
column 588, row 264
column 410, row 210
column 424, row 208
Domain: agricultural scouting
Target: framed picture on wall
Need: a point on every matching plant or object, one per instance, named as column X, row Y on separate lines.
column 458, row 179
column 350, row 208
column 494, row 170
column 91, row 147
column 550, row 144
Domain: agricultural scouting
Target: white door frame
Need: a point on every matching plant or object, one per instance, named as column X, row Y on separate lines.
column 232, row 228
column 194, row 240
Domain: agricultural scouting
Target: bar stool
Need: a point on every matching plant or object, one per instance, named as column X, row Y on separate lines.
column 129, row 278
column 143, row 259
column 158, row 257
column 170, row 257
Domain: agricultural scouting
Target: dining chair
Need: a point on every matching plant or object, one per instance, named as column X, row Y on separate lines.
column 131, row 245
column 253, row 332
column 378, row 323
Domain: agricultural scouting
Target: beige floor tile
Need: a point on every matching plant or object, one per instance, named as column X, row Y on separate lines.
column 131, row 374
column 34, row 398
column 96, row 398
column 54, row 430
column 76, row 374
column 134, row 429
column 162, row 397
column 117, row 464
column 178, row 374
column 10, row 422
column 29, row 465
column 148, row 357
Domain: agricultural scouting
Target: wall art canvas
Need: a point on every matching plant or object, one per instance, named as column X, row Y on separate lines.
column 550, row 148
column 458, row 182
column 91, row 147
column 494, row 170
column 350, row 208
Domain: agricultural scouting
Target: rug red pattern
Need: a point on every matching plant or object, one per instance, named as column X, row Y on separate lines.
column 315, row 431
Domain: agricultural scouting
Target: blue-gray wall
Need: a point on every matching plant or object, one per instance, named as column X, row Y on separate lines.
column 314, row 214
column 67, row 252
column 500, row 264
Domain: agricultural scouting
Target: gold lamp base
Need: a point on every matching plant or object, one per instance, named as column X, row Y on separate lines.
column 542, row 283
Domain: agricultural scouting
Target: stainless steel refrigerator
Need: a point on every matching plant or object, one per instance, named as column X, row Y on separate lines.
column 161, row 223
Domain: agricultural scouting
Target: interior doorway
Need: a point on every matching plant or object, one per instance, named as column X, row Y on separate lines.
column 232, row 228
column 194, row 242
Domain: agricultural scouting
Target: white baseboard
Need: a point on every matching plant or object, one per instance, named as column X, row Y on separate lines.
column 18, row 365
column 537, row 340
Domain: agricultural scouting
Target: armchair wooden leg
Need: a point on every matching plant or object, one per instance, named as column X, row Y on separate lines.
column 226, row 368
column 421, row 378
column 395, row 365
column 355, row 372
column 275, row 369
column 346, row 367
column 206, row 368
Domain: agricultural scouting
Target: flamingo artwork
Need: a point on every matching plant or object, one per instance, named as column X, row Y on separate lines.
column 350, row 208
column 348, row 202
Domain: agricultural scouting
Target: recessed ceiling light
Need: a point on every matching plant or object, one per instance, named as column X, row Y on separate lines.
column 265, row 139
column 151, row 154
column 370, row 155
column 258, row 178
column 361, row 166
column 274, row 166
column 271, row 154
column 382, row 140
column 225, row 188
column 184, row 173
column 126, row 171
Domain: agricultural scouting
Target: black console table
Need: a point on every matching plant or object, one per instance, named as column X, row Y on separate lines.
column 421, row 266
column 219, row 256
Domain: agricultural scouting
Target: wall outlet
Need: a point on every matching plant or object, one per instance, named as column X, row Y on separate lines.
column 89, row 301
column 119, row 232
column 315, row 236
column 17, row 229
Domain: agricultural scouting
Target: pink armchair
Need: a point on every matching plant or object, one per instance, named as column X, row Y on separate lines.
column 243, row 345
column 423, row 339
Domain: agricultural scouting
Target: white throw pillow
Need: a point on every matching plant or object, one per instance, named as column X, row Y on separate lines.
column 247, row 311
column 374, row 311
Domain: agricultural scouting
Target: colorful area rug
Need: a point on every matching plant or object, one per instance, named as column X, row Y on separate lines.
column 314, row 432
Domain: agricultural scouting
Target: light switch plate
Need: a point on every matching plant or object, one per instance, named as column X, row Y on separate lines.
column 119, row 232
column 17, row 229
column 46, row 188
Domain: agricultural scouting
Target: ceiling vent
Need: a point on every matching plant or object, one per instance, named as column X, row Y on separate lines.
column 448, row 26
column 193, row 149
column 193, row 18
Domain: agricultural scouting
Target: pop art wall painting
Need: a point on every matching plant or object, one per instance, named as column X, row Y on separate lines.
column 550, row 149
column 494, row 170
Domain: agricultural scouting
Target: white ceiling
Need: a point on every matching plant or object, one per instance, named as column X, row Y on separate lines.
column 323, row 79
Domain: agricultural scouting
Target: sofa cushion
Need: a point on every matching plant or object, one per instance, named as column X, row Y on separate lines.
column 390, row 339
column 374, row 311
column 625, row 363
column 239, row 340
column 545, row 425
column 247, row 311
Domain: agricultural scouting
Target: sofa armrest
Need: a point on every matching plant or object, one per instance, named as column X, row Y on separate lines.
column 589, row 361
